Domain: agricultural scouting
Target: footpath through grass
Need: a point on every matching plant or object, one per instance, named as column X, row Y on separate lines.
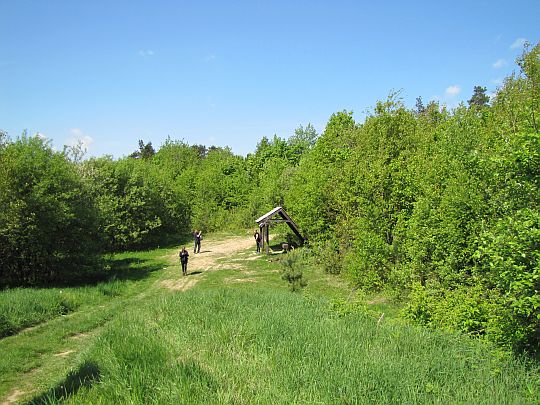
column 51, row 327
column 238, row 335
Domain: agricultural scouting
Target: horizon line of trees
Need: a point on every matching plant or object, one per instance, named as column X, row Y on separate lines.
column 441, row 205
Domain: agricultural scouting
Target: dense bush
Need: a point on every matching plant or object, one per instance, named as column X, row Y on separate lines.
column 48, row 220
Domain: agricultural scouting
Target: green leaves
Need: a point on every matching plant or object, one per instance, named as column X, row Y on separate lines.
column 47, row 218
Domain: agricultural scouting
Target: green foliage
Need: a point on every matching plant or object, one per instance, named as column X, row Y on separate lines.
column 464, row 309
column 292, row 265
column 128, row 199
column 509, row 264
column 146, row 151
column 329, row 255
column 440, row 203
column 479, row 97
column 302, row 141
column 47, row 217
column 221, row 187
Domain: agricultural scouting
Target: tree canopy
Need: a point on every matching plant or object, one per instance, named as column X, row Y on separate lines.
column 441, row 205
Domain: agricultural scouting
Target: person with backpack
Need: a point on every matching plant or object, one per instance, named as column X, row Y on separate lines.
column 184, row 255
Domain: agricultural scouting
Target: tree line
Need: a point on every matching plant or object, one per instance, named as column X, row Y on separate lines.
column 441, row 205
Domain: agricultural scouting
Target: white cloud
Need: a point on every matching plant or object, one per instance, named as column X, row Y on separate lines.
column 146, row 52
column 518, row 43
column 498, row 81
column 499, row 64
column 78, row 138
column 452, row 91
column 75, row 132
column 210, row 57
column 41, row 135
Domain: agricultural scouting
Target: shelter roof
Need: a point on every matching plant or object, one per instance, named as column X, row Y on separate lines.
column 269, row 215
column 267, row 218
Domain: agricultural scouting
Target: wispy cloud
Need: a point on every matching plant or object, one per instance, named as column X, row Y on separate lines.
column 79, row 138
column 518, row 43
column 146, row 53
column 452, row 91
column 449, row 97
column 497, row 81
column 499, row 63
column 210, row 57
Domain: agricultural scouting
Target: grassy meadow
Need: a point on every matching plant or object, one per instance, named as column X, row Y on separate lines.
column 239, row 335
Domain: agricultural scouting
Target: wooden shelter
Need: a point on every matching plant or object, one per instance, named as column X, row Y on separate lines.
column 270, row 218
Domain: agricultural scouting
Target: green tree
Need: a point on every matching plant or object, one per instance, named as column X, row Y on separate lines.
column 48, row 221
column 221, row 188
column 479, row 97
column 302, row 141
column 146, row 151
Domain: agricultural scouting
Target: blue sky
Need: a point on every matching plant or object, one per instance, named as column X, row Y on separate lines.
column 228, row 73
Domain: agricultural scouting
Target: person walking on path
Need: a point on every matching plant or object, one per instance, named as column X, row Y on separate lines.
column 184, row 260
column 197, row 235
column 257, row 237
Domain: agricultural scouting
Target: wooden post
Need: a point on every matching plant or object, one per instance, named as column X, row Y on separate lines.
column 261, row 232
column 267, row 239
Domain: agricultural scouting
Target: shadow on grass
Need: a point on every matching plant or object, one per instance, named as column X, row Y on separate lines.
column 86, row 375
column 192, row 273
column 131, row 268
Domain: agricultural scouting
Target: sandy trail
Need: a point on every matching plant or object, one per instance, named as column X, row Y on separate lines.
column 206, row 260
column 199, row 265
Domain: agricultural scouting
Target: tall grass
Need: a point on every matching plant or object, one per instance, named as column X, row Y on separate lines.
column 237, row 346
column 24, row 307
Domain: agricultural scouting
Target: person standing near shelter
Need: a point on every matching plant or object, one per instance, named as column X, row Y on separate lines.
column 197, row 235
column 257, row 237
column 184, row 260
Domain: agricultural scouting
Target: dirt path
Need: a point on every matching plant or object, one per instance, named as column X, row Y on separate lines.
column 212, row 251
column 206, row 260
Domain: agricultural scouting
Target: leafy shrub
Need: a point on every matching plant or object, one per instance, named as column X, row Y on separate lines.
column 328, row 254
column 292, row 271
column 509, row 262
column 48, row 221
column 466, row 309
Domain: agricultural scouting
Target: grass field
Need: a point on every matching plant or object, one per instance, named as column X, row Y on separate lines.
column 232, row 332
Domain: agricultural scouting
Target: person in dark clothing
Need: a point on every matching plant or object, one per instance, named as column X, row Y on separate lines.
column 257, row 237
column 197, row 235
column 184, row 260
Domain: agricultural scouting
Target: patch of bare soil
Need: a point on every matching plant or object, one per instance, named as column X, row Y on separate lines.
column 182, row 284
column 64, row 354
column 81, row 335
column 231, row 280
column 13, row 396
column 377, row 300
column 207, row 260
